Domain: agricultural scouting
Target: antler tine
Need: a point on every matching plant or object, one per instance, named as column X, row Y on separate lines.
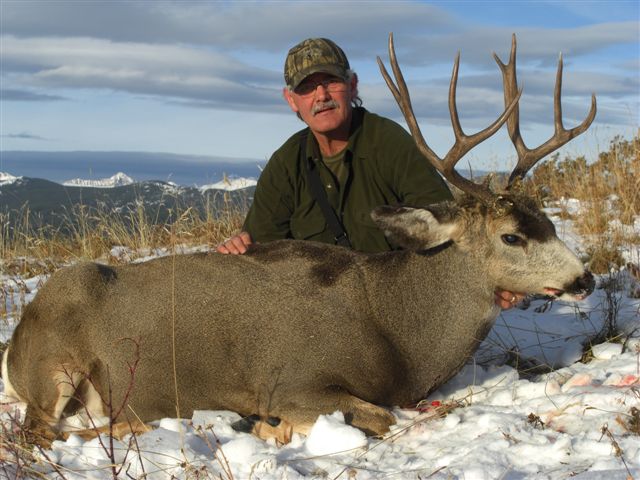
column 463, row 143
column 527, row 157
column 401, row 94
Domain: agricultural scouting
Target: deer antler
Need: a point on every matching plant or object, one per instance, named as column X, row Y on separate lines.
column 527, row 158
column 463, row 143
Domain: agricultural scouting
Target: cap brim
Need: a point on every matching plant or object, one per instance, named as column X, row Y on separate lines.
column 335, row 70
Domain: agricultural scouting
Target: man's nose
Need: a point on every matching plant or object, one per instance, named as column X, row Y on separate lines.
column 321, row 91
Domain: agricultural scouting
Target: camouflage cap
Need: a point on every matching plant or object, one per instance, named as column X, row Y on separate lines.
column 314, row 55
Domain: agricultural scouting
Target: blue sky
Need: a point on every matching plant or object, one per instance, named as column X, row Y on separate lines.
column 205, row 78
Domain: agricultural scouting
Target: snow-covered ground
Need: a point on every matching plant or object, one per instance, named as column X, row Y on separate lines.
column 580, row 420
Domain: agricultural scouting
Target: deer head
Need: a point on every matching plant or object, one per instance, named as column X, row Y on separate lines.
column 485, row 223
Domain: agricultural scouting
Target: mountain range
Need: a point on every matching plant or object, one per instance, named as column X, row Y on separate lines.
column 43, row 203
column 190, row 170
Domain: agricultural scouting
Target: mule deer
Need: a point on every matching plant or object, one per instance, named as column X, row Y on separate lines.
column 295, row 329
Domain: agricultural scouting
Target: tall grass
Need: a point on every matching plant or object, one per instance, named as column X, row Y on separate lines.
column 609, row 194
column 27, row 247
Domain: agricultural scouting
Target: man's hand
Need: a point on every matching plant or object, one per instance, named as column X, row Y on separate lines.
column 506, row 299
column 236, row 245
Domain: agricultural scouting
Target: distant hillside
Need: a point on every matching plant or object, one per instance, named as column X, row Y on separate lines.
column 50, row 203
column 190, row 170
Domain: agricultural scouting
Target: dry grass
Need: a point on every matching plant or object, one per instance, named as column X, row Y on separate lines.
column 92, row 233
column 609, row 194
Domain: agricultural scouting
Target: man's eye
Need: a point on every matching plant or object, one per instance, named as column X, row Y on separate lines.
column 305, row 89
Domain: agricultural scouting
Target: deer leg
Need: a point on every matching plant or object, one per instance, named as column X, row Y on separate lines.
column 53, row 394
column 45, row 405
column 273, row 427
column 118, row 430
column 368, row 417
column 301, row 411
column 86, row 409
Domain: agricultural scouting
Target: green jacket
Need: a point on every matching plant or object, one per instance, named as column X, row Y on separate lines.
column 385, row 168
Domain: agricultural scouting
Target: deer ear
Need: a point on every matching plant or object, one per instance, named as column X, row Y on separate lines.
column 412, row 228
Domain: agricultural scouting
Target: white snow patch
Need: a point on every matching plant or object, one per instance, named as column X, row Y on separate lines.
column 117, row 180
column 7, row 179
column 605, row 351
column 229, row 183
column 330, row 435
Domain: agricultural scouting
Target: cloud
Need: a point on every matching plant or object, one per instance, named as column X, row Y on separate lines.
column 261, row 25
column 27, row 96
column 539, row 46
column 425, row 31
column 171, row 71
column 220, row 55
column 24, row 136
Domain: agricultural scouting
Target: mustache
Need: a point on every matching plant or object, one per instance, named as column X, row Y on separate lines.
column 318, row 107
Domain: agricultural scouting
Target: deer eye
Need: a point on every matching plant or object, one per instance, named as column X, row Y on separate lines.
column 513, row 240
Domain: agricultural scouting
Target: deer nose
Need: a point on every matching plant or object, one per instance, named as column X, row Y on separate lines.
column 583, row 285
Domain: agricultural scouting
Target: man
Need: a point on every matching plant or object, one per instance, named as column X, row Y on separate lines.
column 362, row 160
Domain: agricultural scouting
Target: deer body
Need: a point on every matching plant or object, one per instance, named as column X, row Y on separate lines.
column 321, row 329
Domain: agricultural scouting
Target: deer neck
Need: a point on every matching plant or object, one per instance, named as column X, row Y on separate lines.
column 413, row 307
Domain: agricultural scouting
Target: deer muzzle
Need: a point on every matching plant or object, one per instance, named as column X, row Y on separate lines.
column 581, row 288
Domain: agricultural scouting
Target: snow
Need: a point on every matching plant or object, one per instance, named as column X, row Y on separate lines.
column 488, row 422
column 117, row 180
column 7, row 179
column 330, row 434
column 229, row 183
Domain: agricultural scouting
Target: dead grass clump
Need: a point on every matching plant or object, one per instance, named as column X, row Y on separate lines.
column 91, row 233
column 609, row 194
column 615, row 286
column 632, row 422
column 613, row 180
column 603, row 257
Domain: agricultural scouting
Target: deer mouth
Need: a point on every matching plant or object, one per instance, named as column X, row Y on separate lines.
column 553, row 292
column 575, row 296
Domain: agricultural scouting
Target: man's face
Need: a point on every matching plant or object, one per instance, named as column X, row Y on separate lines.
column 327, row 107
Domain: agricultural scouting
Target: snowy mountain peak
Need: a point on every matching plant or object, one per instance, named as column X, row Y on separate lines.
column 230, row 182
column 117, row 180
column 6, row 178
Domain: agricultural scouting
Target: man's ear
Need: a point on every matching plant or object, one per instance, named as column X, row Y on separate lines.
column 286, row 93
column 353, row 86
column 412, row 228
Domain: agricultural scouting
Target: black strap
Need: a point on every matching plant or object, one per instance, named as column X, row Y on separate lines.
column 320, row 195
